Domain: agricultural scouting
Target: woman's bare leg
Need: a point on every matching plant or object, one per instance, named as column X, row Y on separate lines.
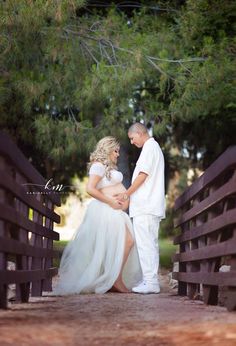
column 129, row 242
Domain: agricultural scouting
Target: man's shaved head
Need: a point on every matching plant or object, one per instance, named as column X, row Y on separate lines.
column 138, row 128
column 138, row 134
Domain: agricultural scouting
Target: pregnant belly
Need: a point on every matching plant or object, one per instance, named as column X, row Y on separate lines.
column 112, row 190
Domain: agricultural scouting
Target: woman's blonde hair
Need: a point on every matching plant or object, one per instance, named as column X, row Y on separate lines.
column 102, row 154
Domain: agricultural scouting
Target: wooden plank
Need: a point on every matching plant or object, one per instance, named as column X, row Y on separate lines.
column 219, row 222
column 214, row 198
column 12, row 246
column 216, row 279
column 222, row 249
column 9, row 214
column 21, row 276
column 8, row 183
column 225, row 161
column 10, row 150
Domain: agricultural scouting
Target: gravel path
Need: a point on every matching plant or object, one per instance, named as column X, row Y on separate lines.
column 117, row 319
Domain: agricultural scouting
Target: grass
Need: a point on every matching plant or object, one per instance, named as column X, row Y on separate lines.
column 58, row 246
column 167, row 249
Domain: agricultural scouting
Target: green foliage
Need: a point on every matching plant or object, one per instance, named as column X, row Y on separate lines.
column 67, row 79
column 167, row 250
column 167, row 225
column 205, row 20
column 58, row 246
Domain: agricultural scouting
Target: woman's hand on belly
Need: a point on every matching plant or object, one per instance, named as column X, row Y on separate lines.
column 115, row 204
column 113, row 190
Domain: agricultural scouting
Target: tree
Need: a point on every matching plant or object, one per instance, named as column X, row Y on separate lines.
column 71, row 75
column 203, row 102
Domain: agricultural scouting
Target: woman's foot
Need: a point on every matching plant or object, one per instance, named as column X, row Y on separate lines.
column 120, row 287
column 113, row 290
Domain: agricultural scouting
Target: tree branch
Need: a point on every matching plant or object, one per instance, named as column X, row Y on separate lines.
column 104, row 43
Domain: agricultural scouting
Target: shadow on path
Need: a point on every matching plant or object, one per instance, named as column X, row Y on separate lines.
column 117, row 319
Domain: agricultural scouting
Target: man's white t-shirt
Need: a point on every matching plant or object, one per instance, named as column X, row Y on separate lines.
column 149, row 198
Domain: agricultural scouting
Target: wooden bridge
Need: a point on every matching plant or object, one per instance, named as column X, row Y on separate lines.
column 207, row 242
column 207, row 239
column 26, row 225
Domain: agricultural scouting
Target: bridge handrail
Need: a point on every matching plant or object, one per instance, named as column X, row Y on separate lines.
column 26, row 226
column 206, row 219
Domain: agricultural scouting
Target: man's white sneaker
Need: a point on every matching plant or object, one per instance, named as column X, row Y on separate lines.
column 146, row 288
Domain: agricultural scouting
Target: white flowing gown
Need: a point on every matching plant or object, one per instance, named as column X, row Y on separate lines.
column 92, row 260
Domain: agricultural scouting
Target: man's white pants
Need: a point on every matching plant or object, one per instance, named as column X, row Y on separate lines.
column 146, row 229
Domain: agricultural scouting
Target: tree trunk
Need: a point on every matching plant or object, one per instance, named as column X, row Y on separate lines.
column 123, row 165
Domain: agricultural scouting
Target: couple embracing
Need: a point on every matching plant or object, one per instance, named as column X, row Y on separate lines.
column 108, row 252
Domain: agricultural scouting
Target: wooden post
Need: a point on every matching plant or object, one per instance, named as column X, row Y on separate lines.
column 37, row 262
column 210, row 292
column 23, row 289
column 3, row 257
column 193, row 289
column 231, row 294
column 182, row 286
column 48, row 243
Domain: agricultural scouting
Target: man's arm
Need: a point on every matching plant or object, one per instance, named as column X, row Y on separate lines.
column 138, row 181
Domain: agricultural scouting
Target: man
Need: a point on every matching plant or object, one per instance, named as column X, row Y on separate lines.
column 147, row 205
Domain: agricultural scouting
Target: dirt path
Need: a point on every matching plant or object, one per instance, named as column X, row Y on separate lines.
column 117, row 319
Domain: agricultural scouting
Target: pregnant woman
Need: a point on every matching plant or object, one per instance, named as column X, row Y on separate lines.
column 102, row 255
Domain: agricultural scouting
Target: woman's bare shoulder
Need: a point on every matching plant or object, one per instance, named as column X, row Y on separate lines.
column 98, row 164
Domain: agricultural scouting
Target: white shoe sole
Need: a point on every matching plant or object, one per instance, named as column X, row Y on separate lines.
column 146, row 292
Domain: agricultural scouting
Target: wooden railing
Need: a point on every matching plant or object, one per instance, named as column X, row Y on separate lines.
column 206, row 216
column 26, row 226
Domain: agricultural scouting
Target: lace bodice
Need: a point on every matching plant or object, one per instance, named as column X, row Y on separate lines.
column 98, row 168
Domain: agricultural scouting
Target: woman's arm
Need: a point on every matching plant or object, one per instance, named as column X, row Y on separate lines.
column 94, row 192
